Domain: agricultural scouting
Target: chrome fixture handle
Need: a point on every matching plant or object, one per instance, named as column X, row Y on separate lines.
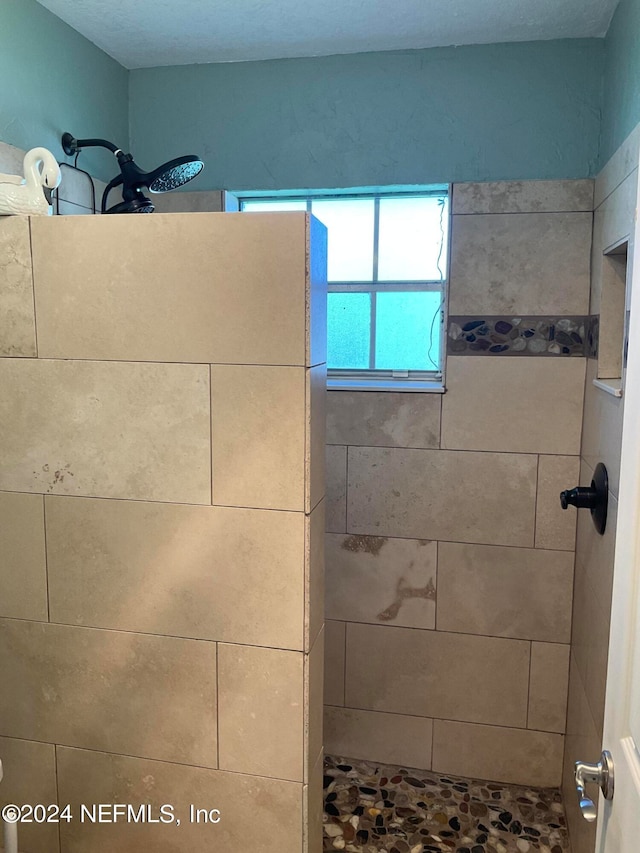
column 600, row 773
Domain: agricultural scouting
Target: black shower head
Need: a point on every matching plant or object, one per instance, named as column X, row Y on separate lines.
column 167, row 177
column 174, row 174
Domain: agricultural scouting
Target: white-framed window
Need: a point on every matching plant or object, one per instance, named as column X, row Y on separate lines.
column 387, row 282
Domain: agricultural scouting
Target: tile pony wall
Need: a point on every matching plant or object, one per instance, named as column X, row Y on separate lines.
column 449, row 562
column 162, row 426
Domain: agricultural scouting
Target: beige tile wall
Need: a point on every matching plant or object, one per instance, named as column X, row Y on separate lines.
column 614, row 217
column 449, row 560
column 163, row 516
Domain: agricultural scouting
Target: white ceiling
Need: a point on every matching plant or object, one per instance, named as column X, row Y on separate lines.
column 144, row 33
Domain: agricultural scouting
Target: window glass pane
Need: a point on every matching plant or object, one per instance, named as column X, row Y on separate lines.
column 348, row 330
column 350, row 226
column 268, row 206
column 408, row 329
column 412, row 244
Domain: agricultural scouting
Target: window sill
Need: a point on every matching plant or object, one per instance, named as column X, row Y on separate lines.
column 610, row 386
column 415, row 385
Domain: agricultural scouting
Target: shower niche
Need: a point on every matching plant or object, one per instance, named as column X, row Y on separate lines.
column 162, row 434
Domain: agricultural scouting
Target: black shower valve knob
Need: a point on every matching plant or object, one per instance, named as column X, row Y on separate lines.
column 582, row 497
column 593, row 497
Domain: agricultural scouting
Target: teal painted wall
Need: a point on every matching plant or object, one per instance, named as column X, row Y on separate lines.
column 505, row 111
column 621, row 101
column 53, row 80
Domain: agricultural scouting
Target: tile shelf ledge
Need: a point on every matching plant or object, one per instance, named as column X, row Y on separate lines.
column 610, row 386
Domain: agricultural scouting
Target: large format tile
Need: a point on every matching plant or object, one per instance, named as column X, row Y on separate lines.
column 334, row 662
column 595, row 553
column 23, row 570
column 375, row 736
column 314, row 607
column 383, row 419
column 623, row 162
column 602, row 428
column 256, row 813
column 144, row 289
column 500, row 754
column 523, row 196
column 313, row 703
column 214, row 573
column 459, row 496
column 518, row 405
column 377, row 579
column 258, row 434
column 437, row 674
column 549, row 682
column 336, row 471
column 101, row 429
column 316, row 436
column 505, row 592
column 590, row 643
column 261, row 711
column 555, row 527
column 513, row 263
column 613, row 223
column 30, row 777
column 128, row 693
column 313, row 808
column 17, row 320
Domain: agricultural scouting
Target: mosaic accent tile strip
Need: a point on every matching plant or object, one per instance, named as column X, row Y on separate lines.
column 371, row 808
column 513, row 335
column 592, row 335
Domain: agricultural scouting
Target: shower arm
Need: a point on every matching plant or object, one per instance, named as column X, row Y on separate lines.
column 116, row 182
column 72, row 146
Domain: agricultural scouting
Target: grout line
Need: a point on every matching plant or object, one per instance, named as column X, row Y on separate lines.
column 346, row 491
column 57, row 789
column 437, row 544
column 104, row 628
column 590, row 211
column 535, row 507
column 217, row 706
column 617, row 187
column 446, row 631
column 433, row 737
column 183, row 362
column 529, row 682
column 431, row 449
column 149, row 501
column 33, row 289
column 344, row 674
column 211, row 432
column 380, row 534
column 190, row 765
column 438, row 719
column 46, row 557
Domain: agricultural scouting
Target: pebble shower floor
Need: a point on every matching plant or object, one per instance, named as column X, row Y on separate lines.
column 370, row 808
